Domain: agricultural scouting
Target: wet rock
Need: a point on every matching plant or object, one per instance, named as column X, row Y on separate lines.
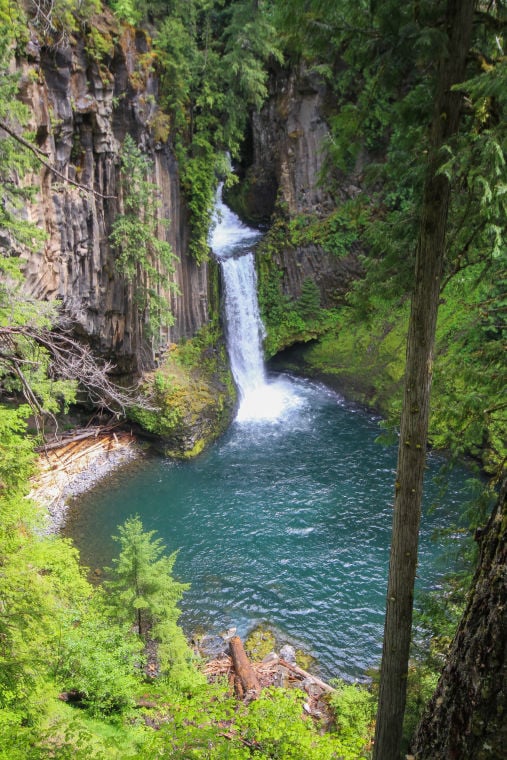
column 287, row 652
column 211, row 646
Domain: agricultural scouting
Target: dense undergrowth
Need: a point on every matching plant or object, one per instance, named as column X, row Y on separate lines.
column 75, row 677
column 362, row 353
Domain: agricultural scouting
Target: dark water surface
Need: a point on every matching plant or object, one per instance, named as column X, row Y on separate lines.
column 285, row 521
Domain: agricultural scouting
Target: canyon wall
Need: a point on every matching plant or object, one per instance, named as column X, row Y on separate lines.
column 285, row 173
column 82, row 106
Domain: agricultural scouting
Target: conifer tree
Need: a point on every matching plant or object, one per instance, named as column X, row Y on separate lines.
column 142, row 586
column 415, row 415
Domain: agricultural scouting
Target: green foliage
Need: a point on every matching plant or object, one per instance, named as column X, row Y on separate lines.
column 39, row 625
column 366, row 357
column 380, row 62
column 274, row 725
column 210, row 724
column 287, row 320
column 15, row 161
column 56, row 20
column 100, row 47
column 355, row 709
column 336, row 233
column 128, row 10
column 143, row 589
column 23, row 364
column 212, row 57
column 470, row 369
column 144, row 257
column 16, row 458
column 193, row 386
column 308, row 304
column 97, row 662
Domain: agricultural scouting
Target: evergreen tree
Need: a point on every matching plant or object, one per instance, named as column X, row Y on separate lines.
column 144, row 591
column 144, row 258
column 415, row 415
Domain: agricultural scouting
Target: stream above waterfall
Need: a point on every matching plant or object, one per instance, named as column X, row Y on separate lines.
column 286, row 520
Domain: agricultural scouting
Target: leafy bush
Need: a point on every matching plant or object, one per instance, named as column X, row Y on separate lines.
column 354, row 708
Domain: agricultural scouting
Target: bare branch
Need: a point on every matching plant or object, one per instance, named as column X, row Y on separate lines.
column 39, row 156
column 69, row 360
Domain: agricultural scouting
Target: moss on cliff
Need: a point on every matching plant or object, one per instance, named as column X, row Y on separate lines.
column 194, row 395
column 365, row 360
column 361, row 353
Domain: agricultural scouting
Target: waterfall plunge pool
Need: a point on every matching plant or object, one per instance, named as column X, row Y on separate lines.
column 284, row 522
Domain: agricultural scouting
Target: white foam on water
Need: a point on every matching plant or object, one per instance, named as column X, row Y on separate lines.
column 269, row 402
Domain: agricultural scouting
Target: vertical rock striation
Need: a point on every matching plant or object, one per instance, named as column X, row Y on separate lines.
column 82, row 107
column 286, row 149
column 285, row 173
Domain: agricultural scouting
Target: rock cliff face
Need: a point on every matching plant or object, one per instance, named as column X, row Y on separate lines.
column 82, row 108
column 289, row 145
column 284, row 172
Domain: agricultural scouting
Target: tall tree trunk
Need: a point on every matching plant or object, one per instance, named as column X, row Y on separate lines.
column 414, row 420
column 466, row 718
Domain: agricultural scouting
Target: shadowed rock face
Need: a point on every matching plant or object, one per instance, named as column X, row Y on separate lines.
column 81, row 111
column 283, row 170
column 285, row 148
column 289, row 143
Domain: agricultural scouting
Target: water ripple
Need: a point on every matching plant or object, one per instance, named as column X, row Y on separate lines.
column 288, row 525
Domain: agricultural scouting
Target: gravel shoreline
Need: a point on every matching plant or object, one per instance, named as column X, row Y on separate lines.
column 56, row 485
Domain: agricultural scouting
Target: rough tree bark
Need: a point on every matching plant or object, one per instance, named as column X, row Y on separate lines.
column 249, row 686
column 466, row 718
column 414, row 421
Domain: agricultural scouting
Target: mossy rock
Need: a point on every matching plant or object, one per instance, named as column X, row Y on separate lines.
column 194, row 396
column 305, row 660
column 260, row 642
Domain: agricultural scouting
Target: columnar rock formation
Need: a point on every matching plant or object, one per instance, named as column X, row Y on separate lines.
column 81, row 110
column 82, row 105
column 285, row 172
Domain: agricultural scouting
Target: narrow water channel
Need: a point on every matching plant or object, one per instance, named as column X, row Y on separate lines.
column 286, row 520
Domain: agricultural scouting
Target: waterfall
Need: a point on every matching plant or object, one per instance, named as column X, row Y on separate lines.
column 231, row 242
column 244, row 329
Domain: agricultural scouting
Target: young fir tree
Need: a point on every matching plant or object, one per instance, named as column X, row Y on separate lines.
column 142, row 586
column 144, row 593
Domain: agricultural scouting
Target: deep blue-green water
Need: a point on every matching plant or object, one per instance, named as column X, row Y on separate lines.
column 285, row 521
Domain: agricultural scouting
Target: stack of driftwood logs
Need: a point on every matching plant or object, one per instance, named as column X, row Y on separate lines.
column 249, row 678
column 65, row 452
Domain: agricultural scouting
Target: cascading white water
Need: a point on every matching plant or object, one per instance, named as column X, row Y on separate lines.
column 231, row 242
column 244, row 327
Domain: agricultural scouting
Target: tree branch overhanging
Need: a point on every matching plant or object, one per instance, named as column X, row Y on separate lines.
column 39, row 155
column 69, row 360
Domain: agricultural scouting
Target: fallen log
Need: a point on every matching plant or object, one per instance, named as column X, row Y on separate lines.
column 78, row 435
column 67, row 440
column 304, row 674
column 244, row 671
